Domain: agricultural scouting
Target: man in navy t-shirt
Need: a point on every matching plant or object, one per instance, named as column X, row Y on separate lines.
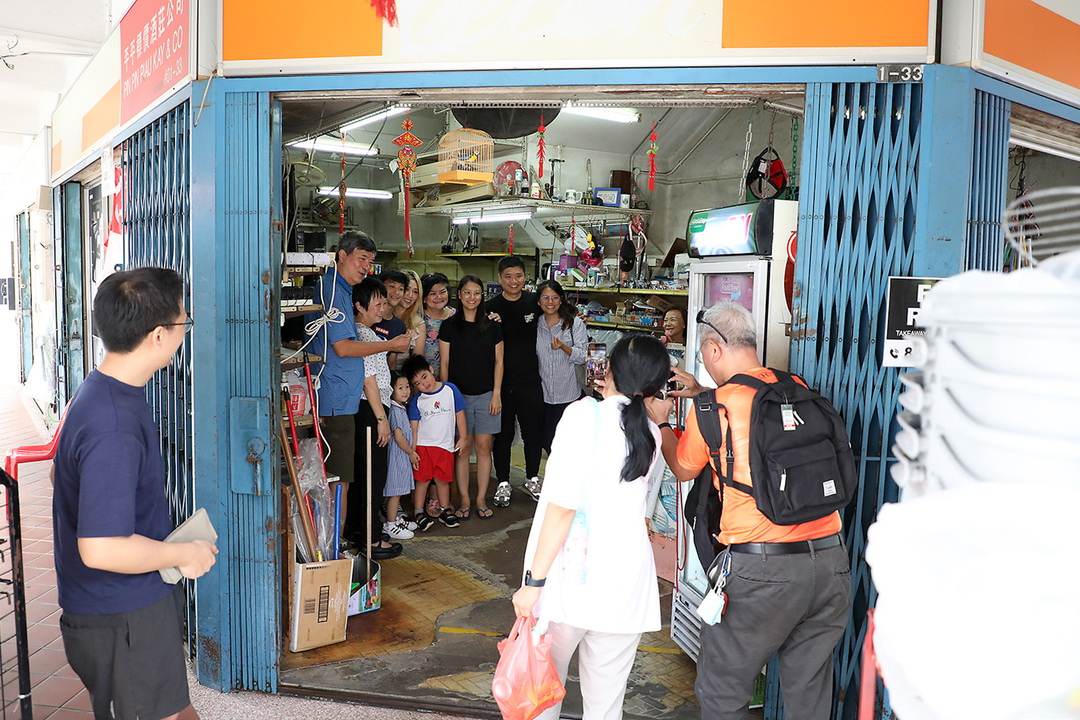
column 122, row 626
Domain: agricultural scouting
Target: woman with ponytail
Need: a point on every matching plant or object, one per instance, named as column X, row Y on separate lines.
column 590, row 575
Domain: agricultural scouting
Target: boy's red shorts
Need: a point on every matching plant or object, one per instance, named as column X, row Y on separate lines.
column 435, row 463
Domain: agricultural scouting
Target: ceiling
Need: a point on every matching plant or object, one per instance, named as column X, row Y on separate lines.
column 59, row 37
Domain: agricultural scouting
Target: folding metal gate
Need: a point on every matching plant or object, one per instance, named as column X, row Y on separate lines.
column 856, row 228
column 984, row 248
column 157, row 233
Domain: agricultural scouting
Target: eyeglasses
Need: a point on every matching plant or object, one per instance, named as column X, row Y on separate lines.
column 549, row 298
column 188, row 324
column 702, row 321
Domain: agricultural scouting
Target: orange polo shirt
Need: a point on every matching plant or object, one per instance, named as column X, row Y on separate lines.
column 741, row 521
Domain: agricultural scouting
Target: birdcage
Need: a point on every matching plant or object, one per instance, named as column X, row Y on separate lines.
column 465, row 157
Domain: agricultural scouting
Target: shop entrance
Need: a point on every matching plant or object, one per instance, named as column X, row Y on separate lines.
column 445, row 600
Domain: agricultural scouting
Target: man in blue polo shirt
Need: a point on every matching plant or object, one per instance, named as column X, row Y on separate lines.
column 122, row 624
column 341, row 376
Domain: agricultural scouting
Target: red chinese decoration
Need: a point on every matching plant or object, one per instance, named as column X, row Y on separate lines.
column 511, row 250
column 540, row 145
column 652, row 155
column 387, row 10
column 407, row 163
column 341, row 189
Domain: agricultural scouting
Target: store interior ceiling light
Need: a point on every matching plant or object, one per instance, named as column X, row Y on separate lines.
column 329, row 145
column 357, row 193
column 375, row 117
column 619, row 115
column 492, row 217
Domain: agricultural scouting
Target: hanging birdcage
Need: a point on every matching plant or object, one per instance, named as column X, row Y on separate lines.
column 466, row 157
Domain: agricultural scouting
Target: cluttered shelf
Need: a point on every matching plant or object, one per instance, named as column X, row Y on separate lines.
column 539, row 209
column 624, row 326
column 627, row 291
column 466, row 255
column 293, row 310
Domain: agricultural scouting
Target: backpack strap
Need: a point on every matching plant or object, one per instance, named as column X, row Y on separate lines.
column 708, row 418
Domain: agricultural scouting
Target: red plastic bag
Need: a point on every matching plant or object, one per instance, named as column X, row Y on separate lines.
column 526, row 682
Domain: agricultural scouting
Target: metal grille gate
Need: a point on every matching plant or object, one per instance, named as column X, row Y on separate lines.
column 856, row 227
column 984, row 248
column 157, row 232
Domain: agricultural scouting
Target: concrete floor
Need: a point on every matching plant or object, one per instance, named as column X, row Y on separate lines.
column 445, row 607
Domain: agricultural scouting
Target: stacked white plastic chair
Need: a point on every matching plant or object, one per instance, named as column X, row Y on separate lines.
column 978, row 566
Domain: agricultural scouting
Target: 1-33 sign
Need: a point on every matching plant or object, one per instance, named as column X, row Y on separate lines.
column 900, row 73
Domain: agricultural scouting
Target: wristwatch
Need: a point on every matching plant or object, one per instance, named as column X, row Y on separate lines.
column 664, row 425
column 380, row 418
column 533, row 582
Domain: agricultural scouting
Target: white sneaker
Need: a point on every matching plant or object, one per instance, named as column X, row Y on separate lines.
column 502, row 495
column 403, row 519
column 533, row 486
column 397, row 531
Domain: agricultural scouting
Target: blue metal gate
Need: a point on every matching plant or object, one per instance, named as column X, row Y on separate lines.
column 26, row 307
column 984, row 248
column 157, row 233
column 856, row 227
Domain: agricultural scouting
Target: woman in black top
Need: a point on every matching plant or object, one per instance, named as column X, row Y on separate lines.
column 471, row 355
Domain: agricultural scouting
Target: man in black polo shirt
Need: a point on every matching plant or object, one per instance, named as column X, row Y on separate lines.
column 522, row 394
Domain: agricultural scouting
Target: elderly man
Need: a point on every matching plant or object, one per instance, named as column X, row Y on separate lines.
column 342, row 373
column 789, row 587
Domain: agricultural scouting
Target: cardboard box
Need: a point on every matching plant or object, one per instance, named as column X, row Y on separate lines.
column 659, row 303
column 492, row 245
column 320, row 602
column 365, row 594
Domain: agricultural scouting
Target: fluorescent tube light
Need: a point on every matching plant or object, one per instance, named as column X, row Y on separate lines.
column 493, row 217
column 335, row 146
column 620, row 115
column 375, row 117
column 358, row 193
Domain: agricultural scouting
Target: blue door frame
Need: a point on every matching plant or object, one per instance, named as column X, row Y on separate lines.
column 234, row 211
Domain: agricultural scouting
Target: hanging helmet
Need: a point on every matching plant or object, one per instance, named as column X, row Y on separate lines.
column 767, row 177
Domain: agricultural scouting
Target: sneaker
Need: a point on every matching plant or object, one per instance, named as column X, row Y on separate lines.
column 533, row 486
column 502, row 495
column 447, row 518
column 398, row 531
column 403, row 519
column 423, row 522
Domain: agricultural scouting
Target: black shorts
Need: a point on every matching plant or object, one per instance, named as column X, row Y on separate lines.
column 132, row 663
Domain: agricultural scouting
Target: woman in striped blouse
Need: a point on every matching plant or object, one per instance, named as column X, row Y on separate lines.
column 561, row 340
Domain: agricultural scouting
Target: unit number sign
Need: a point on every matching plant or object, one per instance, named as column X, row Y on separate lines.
column 900, row 73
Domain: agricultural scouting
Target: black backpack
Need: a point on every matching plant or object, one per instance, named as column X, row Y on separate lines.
column 801, row 461
column 703, row 504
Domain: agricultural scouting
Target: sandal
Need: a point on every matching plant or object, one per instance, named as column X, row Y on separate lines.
column 484, row 513
column 463, row 513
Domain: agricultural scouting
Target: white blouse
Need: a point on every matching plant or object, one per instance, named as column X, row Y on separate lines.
column 604, row 577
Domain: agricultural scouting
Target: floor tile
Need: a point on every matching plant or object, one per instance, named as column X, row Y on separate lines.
column 47, row 661
column 80, row 702
column 56, row 690
column 41, row 635
column 69, row 714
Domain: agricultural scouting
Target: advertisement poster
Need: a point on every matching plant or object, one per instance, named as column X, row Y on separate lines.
column 902, row 306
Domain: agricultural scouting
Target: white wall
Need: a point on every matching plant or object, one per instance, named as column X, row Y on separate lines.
column 19, row 191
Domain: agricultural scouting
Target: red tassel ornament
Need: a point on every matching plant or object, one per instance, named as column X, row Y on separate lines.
column 540, row 145
column 407, row 163
column 386, row 10
column 652, row 155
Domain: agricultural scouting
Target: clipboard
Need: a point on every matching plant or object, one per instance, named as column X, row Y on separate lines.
column 196, row 527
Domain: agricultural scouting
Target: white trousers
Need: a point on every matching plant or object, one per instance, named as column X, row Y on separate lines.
column 604, row 663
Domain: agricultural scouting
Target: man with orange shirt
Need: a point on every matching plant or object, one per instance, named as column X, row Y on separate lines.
column 789, row 588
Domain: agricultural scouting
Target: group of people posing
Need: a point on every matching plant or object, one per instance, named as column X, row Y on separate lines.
column 423, row 384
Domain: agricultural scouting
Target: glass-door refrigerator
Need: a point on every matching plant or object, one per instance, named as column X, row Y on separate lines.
column 745, row 254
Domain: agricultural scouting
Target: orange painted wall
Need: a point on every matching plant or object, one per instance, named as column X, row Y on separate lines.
column 275, row 29
column 1027, row 34
column 103, row 117
column 825, row 23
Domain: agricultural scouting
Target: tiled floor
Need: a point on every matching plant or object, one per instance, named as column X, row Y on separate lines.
column 56, row 692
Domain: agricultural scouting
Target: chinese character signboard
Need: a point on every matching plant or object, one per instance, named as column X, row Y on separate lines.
column 155, row 56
